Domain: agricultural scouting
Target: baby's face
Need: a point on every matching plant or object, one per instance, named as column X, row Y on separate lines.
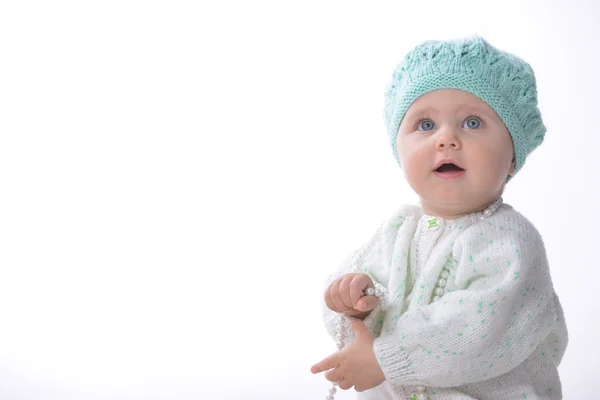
column 461, row 133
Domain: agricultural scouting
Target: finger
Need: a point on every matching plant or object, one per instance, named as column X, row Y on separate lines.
column 360, row 388
column 345, row 384
column 367, row 303
column 345, row 291
column 326, row 364
column 329, row 302
column 336, row 299
column 334, row 375
column 358, row 284
column 359, row 328
column 338, row 382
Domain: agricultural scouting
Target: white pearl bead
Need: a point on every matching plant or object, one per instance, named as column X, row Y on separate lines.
column 442, row 283
column 379, row 291
column 445, row 274
column 422, row 396
column 420, row 389
column 436, row 298
column 439, row 291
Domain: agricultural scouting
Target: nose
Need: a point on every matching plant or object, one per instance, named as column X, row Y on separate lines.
column 447, row 139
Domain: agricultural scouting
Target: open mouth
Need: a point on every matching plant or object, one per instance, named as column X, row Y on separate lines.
column 449, row 168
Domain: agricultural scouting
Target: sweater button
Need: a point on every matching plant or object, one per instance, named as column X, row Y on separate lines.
column 433, row 223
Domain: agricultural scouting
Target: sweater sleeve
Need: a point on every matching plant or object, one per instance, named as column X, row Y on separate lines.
column 501, row 309
column 373, row 321
column 370, row 264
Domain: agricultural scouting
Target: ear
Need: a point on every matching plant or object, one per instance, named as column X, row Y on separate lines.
column 399, row 156
column 511, row 171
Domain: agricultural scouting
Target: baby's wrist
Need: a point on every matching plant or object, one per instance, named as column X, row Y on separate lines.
column 361, row 315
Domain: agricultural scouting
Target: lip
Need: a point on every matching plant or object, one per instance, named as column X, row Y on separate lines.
column 449, row 174
column 448, row 161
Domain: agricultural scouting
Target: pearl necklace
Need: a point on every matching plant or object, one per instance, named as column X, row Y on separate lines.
column 380, row 292
column 441, row 283
column 342, row 322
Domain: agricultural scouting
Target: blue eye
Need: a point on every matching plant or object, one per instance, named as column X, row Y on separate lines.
column 472, row 123
column 426, row 125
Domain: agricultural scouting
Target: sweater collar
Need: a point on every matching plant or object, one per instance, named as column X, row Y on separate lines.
column 433, row 222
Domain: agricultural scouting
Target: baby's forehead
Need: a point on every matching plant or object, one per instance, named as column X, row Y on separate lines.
column 449, row 101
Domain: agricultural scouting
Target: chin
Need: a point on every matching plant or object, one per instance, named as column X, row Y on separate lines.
column 447, row 200
column 436, row 192
column 449, row 195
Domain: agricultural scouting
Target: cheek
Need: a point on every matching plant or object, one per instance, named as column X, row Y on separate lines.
column 492, row 163
column 412, row 162
column 414, row 157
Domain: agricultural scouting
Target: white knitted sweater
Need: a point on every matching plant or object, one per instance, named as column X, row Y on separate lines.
column 497, row 332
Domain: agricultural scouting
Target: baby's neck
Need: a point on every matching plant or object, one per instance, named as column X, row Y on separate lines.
column 449, row 212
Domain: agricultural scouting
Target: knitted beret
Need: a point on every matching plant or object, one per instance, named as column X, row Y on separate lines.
column 505, row 82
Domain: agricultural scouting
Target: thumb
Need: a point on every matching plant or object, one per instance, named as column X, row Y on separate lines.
column 367, row 303
column 359, row 328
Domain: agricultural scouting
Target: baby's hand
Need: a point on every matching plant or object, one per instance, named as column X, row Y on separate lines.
column 345, row 295
column 356, row 365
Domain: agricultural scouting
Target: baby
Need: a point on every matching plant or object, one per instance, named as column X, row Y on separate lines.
column 453, row 298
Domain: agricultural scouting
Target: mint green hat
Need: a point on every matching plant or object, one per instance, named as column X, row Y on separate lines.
column 505, row 82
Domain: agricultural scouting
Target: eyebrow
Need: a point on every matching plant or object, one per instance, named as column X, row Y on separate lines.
column 422, row 111
column 481, row 110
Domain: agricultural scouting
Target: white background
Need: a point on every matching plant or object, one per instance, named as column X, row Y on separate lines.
column 177, row 179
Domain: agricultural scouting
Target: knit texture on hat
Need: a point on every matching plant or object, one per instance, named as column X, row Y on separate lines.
column 505, row 82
